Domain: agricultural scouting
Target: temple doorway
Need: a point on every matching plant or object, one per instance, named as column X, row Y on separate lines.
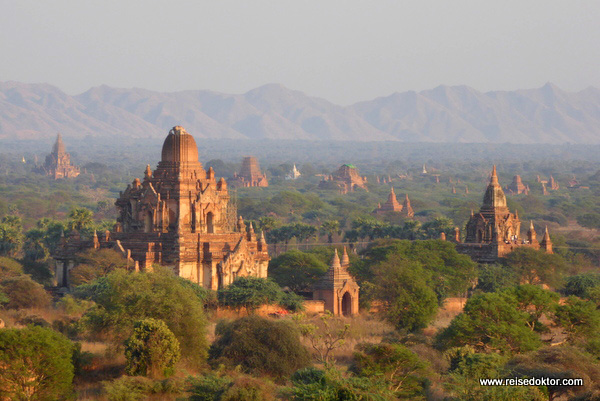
column 347, row 304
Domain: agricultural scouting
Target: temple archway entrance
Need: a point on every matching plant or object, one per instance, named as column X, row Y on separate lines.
column 148, row 222
column 210, row 228
column 479, row 235
column 347, row 304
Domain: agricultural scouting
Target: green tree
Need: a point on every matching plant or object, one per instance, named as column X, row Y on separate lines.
column 565, row 362
column 446, row 271
column 580, row 284
column 267, row 223
column 401, row 288
column 95, row 263
column 490, row 322
column 36, row 364
column 296, row 270
column 152, row 350
column 23, row 292
column 122, row 298
column 401, row 368
column 331, row 228
column 589, row 220
column 433, row 229
column 467, row 367
column 494, row 277
column 325, row 335
column 80, row 219
column 250, row 293
column 260, row 346
column 579, row 318
column 9, row 268
column 534, row 301
column 536, row 267
column 11, row 236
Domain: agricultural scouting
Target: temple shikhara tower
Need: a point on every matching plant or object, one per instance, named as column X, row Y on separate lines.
column 250, row 175
column 58, row 163
column 517, row 187
column 337, row 288
column 494, row 231
column 392, row 205
column 180, row 216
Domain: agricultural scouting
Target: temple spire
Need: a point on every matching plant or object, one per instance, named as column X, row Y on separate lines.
column 59, row 146
column 345, row 259
column 546, row 242
column 494, row 195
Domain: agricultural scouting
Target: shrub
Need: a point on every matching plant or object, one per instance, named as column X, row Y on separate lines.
column 23, row 292
column 152, row 349
column 208, row 388
column 127, row 388
column 9, row 268
column 123, row 298
column 36, row 364
column 260, row 346
column 398, row 366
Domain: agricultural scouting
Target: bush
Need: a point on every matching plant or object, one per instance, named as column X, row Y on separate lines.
column 33, row 320
column 152, row 349
column 136, row 388
column 73, row 306
column 224, row 388
column 128, row 388
column 41, row 356
column 259, row 346
column 9, row 268
column 318, row 385
column 292, row 302
column 398, row 366
column 23, row 292
column 123, row 298
column 208, row 388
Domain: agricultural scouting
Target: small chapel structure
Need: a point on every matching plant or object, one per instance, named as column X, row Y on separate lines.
column 337, row 288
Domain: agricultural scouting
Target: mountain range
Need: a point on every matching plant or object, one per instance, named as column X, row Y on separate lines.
column 443, row 114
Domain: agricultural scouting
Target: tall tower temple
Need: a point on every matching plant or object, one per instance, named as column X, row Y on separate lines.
column 180, row 216
column 58, row 163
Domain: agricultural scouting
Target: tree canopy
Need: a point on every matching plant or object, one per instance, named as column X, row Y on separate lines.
column 123, row 298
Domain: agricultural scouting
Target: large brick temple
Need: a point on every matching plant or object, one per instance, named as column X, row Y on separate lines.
column 494, row 231
column 58, row 163
column 180, row 216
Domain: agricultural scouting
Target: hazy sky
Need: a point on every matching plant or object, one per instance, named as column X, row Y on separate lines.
column 343, row 51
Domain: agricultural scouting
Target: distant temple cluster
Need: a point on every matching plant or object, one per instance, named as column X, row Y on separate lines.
column 345, row 180
column 58, row 163
column 250, row 175
column 494, row 231
column 392, row 205
column 180, row 216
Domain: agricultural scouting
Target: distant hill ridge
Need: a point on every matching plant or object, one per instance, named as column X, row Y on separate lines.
column 443, row 114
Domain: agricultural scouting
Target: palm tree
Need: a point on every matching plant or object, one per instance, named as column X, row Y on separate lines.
column 330, row 227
